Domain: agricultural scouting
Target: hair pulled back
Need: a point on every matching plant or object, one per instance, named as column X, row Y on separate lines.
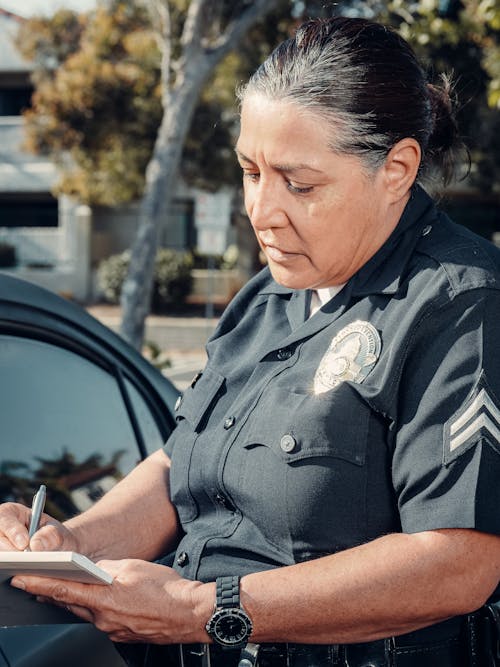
column 365, row 79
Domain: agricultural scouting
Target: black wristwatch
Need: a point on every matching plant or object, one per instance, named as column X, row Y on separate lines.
column 229, row 626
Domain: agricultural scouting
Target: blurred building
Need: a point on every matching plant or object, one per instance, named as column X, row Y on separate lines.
column 59, row 243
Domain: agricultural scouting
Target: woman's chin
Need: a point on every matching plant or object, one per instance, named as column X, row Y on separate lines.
column 289, row 279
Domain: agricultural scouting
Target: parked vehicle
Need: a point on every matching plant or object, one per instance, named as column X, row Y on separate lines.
column 78, row 409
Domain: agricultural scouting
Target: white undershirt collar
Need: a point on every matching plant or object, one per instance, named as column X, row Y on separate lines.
column 321, row 296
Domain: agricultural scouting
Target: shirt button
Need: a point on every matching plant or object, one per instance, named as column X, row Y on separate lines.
column 426, row 230
column 182, row 559
column 178, row 403
column 224, row 502
column 229, row 422
column 284, row 354
column 288, row 443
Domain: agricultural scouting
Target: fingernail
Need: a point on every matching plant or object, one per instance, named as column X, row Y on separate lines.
column 18, row 583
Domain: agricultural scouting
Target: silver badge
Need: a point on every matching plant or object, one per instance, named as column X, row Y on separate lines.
column 350, row 356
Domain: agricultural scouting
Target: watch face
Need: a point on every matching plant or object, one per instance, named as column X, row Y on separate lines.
column 229, row 627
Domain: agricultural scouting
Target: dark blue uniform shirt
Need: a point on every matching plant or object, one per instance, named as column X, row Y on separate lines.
column 379, row 414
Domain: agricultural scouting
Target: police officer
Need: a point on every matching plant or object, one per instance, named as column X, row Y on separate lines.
column 331, row 490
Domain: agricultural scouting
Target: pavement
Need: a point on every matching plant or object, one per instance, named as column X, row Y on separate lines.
column 181, row 339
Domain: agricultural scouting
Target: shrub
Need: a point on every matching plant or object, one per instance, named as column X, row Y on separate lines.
column 111, row 275
column 202, row 260
column 228, row 260
column 230, row 257
column 7, row 255
column 172, row 277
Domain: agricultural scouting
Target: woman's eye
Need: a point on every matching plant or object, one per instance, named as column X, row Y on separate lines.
column 251, row 176
column 297, row 190
column 254, row 176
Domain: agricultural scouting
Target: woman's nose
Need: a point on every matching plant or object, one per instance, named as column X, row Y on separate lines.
column 264, row 207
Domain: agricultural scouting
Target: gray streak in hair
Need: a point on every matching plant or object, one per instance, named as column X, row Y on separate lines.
column 365, row 80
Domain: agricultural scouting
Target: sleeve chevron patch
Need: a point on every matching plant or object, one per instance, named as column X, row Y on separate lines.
column 477, row 419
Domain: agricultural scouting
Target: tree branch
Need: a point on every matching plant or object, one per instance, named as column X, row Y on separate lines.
column 160, row 14
column 238, row 26
column 193, row 27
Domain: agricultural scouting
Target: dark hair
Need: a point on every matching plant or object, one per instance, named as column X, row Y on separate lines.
column 365, row 78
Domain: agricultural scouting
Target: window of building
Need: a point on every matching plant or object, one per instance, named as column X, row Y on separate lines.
column 13, row 101
column 28, row 210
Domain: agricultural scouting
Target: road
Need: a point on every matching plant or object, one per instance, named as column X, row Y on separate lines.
column 184, row 367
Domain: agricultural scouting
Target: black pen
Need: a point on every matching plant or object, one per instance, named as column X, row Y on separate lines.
column 37, row 508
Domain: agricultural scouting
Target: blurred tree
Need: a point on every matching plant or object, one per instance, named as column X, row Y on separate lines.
column 193, row 37
column 96, row 105
column 48, row 42
column 461, row 37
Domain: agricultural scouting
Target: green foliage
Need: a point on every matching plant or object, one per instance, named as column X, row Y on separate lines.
column 155, row 355
column 463, row 40
column 228, row 260
column 8, row 256
column 172, row 277
column 111, row 275
column 50, row 42
column 97, row 114
column 230, row 257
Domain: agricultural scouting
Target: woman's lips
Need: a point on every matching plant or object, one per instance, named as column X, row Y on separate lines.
column 278, row 255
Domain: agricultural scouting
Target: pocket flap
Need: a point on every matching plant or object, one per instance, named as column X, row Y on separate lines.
column 197, row 399
column 300, row 425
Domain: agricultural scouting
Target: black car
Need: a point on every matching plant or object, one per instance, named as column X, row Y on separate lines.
column 78, row 409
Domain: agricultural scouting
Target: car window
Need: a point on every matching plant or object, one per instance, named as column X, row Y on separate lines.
column 65, row 424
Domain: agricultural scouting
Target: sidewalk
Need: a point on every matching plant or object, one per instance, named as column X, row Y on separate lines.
column 181, row 339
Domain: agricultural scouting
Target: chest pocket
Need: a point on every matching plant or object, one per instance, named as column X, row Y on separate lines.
column 191, row 414
column 303, row 464
column 297, row 425
column 197, row 399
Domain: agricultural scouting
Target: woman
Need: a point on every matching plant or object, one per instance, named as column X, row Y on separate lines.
column 335, row 467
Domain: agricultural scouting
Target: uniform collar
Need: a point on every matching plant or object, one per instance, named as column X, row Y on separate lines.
column 383, row 273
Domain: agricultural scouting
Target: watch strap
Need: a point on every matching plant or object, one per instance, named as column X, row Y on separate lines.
column 227, row 592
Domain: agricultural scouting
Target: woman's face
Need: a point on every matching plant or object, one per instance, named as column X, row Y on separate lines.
column 318, row 216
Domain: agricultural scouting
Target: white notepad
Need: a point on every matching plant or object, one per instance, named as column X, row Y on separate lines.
column 55, row 564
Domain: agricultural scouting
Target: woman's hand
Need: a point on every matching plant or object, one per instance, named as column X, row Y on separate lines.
column 14, row 524
column 145, row 603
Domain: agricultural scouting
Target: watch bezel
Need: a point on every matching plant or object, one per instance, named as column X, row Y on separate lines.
column 214, row 627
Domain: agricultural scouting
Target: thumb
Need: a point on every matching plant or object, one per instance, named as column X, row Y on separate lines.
column 52, row 536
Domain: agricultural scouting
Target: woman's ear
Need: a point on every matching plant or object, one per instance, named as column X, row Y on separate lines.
column 401, row 167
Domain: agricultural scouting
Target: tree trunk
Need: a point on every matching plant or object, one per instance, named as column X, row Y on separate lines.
column 179, row 104
column 160, row 178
